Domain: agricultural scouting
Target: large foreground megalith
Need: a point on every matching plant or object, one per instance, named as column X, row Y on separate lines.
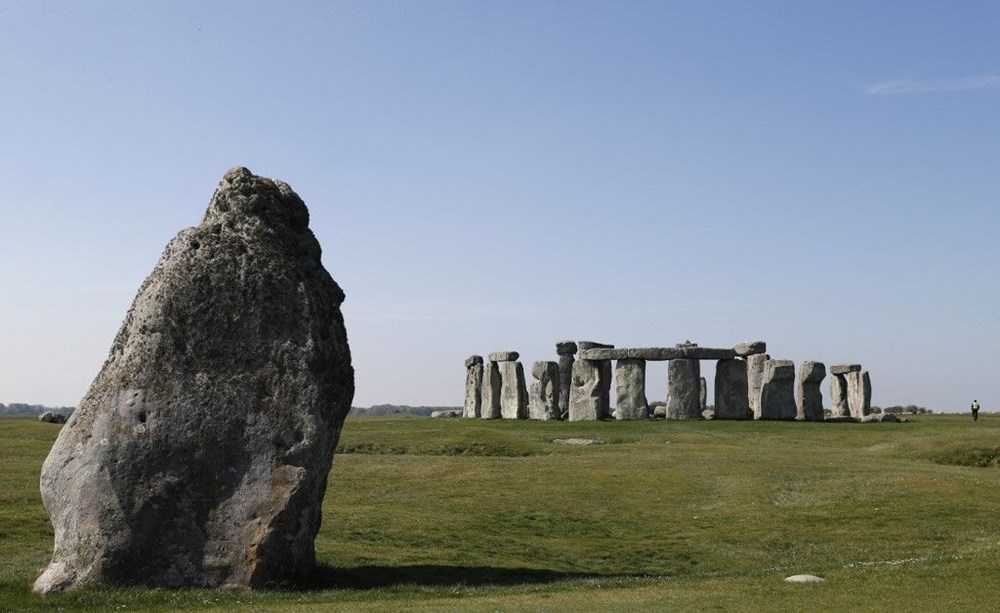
column 199, row 455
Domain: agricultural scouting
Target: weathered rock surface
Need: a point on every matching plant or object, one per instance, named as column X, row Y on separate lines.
column 755, row 380
column 683, row 389
column 809, row 397
column 838, row 396
column 843, row 369
column 504, row 356
column 747, row 348
column 52, row 418
column 777, row 398
column 881, row 418
column 586, row 400
column 199, row 455
column 513, row 391
column 566, row 348
column 446, row 413
column 731, row 391
column 804, row 579
column 489, row 408
column 703, row 394
column 543, row 397
column 473, row 386
column 630, row 390
column 859, row 393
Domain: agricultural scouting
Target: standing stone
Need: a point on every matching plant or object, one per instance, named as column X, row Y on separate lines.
column 565, row 350
column 809, row 399
column 859, row 393
column 777, row 399
column 755, row 380
column 731, row 390
column 490, row 406
column 702, row 392
column 683, row 389
column 543, row 402
column 199, row 455
column 473, row 386
column 604, row 377
column 586, row 403
column 513, row 391
column 838, row 396
column 630, row 388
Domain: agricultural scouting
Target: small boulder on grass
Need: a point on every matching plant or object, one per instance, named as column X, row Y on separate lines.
column 52, row 418
column 804, row 579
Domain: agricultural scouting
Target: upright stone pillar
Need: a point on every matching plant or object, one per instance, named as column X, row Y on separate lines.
column 839, row 389
column 473, row 386
column 513, row 390
column 777, row 398
column 732, row 400
column 543, row 401
column 590, row 389
column 630, row 388
column 683, row 389
column 565, row 350
column 809, row 400
column 755, row 380
column 859, row 393
column 702, row 391
column 490, row 406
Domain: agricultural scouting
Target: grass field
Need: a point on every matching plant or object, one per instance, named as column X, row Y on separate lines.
column 459, row 514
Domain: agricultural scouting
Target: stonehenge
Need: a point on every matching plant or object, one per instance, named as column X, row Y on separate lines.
column 748, row 385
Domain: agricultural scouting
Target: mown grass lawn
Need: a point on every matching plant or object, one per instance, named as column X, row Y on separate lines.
column 459, row 514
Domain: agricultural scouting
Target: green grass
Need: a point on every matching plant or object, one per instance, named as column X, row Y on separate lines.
column 459, row 514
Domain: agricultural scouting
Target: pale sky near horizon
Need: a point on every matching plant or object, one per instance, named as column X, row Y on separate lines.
column 503, row 175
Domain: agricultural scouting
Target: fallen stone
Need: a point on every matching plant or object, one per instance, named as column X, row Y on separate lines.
column 199, row 456
column 683, row 389
column 805, row 579
column 747, row 348
column 777, row 398
column 473, row 387
column 881, row 418
column 708, row 414
column 504, row 356
column 543, row 397
column 472, row 360
column 578, row 441
column 843, row 369
column 446, row 413
column 513, row 391
column 630, row 388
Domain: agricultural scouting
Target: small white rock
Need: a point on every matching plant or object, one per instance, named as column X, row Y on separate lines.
column 805, row 579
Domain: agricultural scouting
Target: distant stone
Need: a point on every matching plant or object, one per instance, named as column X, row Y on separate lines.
column 809, row 397
column 543, row 395
column 472, row 360
column 200, row 455
column 707, row 353
column 52, row 418
column 731, row 396
column 504, row 356
column 838, row 395
column 630, row 388
column 578, row 441
column 566, row 348
column 584, row 345
column 473, row 387
column 586, row 399
column 755, row 380
column 750, row 348
column 513, row 391
column 703, row 394
column 843, row 369
column 490, row 404
column 881, row 418
column 683, row 389
column 859, row 393
column 603, row 353
column 708, row 414
column 447, row 413
column 777, row 398
column 805, row 579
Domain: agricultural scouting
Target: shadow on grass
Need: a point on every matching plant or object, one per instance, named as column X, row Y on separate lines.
column 376, row 577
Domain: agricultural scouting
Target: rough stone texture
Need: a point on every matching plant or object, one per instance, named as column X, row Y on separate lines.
column 655, row 353
column 584, row 345
column 199, row 455
column 652, row 354
column 658, row 409
column 809, row 397
column 513, row 391
column 703, row 393
column 777, row 398
column 490, row 406
column 52, row 418
column 504, row 356
column 747, row 348
column 603, row 353
column 630, row 390
column 843, row 369
column 565, row 382
column 446, row 413
column 473, row 388
column 731, row 390
column 683, row 389
column 586, row 401
column 755, row 380
column 543, row 400
column 859, row 393
column 566, row 348
column 472, row 360
column 881, row 418
column 838, row 396
column 707, row 353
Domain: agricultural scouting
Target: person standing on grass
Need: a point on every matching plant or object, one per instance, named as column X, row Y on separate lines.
column 975, row 410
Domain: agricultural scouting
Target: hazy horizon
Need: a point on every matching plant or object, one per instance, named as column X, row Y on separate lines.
column 493, row 176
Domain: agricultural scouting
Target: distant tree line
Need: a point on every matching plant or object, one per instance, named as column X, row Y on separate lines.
column 910, row 409
column 392, row 409
column 15, row 409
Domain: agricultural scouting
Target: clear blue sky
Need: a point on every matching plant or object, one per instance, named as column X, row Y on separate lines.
column 504, row 175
